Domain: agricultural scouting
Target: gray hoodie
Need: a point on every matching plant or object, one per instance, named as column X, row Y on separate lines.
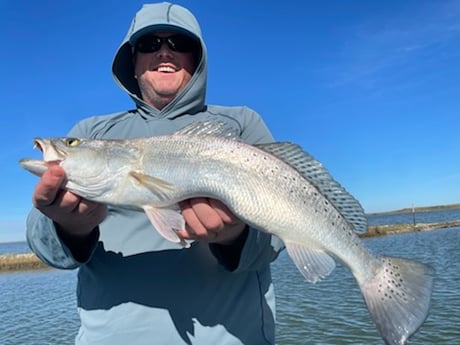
column 137, row 287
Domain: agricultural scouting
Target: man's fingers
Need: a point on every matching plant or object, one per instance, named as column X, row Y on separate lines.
column 48, row 187
column 206, row 214
column 67, row 201
column 223, row 211
column 193, row 223
column 209, row 220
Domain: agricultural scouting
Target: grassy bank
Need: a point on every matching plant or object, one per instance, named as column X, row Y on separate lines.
column 20, row 262
column 382, row 230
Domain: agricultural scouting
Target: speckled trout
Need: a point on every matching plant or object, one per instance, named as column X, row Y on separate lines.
column 277, row 188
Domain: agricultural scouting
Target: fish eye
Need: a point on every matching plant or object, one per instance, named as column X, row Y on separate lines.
column 72, row 142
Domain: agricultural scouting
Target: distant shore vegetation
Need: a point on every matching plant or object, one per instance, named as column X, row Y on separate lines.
column 419, row 209
column 21, row 262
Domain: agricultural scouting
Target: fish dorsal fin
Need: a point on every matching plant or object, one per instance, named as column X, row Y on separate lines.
column 210, row 128
column 318, row 176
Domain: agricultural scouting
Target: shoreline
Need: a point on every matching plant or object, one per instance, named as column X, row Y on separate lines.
column 418, row 209
column 21, row 262
column 29, row 261
column 404, row 228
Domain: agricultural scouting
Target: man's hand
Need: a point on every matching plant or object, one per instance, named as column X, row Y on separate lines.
column 211, row 221
column 74, row 215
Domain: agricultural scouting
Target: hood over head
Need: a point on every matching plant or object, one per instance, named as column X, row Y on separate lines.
column 162, row 17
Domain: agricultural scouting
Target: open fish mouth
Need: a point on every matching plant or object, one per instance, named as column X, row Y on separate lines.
column 51, row 156
column 38, row 144
column 51, row 152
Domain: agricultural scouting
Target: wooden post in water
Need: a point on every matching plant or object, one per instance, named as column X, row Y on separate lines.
column 413, row 216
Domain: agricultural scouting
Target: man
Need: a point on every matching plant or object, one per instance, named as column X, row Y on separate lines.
column 133, row 285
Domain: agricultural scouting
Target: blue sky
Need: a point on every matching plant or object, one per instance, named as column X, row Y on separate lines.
column 370, row 88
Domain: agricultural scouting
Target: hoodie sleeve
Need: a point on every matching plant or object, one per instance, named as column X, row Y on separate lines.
column 257, row 248
column 45, row 243
column 42, row 236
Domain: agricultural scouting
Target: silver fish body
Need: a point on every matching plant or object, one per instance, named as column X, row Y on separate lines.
column 276, row 188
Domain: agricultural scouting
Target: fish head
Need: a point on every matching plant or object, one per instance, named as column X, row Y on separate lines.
column 51, row 156
column 85, row 162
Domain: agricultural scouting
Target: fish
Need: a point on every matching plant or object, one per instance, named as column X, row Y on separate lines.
column 277, row 188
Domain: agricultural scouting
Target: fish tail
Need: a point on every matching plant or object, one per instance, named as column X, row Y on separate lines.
column 398, row 297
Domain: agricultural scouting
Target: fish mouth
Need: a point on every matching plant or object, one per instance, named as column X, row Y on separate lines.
column 51, row 156
column 51, row 152
column 38, row 144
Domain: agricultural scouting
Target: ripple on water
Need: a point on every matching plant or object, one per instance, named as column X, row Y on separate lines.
column 38, row 307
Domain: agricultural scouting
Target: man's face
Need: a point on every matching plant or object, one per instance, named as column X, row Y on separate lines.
column 163, row 73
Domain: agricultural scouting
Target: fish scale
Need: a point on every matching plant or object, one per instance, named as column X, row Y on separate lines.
column 277, row 188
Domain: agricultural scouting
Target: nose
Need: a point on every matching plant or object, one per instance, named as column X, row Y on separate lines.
column 164, row 50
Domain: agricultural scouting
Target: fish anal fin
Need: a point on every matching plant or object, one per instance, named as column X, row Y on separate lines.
column 166, row 222
column 314, row 264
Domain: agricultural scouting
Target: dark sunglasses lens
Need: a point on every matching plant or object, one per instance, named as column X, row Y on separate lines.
column 178, row 43
column 181, row 43
column 148, row 44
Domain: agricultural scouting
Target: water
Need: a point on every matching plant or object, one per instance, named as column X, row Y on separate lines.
column 39, row 307
column 14, row 247
column 333, row 311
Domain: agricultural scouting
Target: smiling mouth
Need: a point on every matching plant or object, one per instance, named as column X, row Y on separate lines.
column 166, row 69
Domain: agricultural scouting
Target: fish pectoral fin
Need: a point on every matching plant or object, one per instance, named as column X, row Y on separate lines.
column 314, row 264
column 152, row 183
column 167, row 221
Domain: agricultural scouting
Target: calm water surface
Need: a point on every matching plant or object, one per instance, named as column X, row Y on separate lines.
column 39, row 307
column 333, row 311
column 14, row 247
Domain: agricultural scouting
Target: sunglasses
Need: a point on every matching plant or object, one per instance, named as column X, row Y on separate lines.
column 177, row 43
